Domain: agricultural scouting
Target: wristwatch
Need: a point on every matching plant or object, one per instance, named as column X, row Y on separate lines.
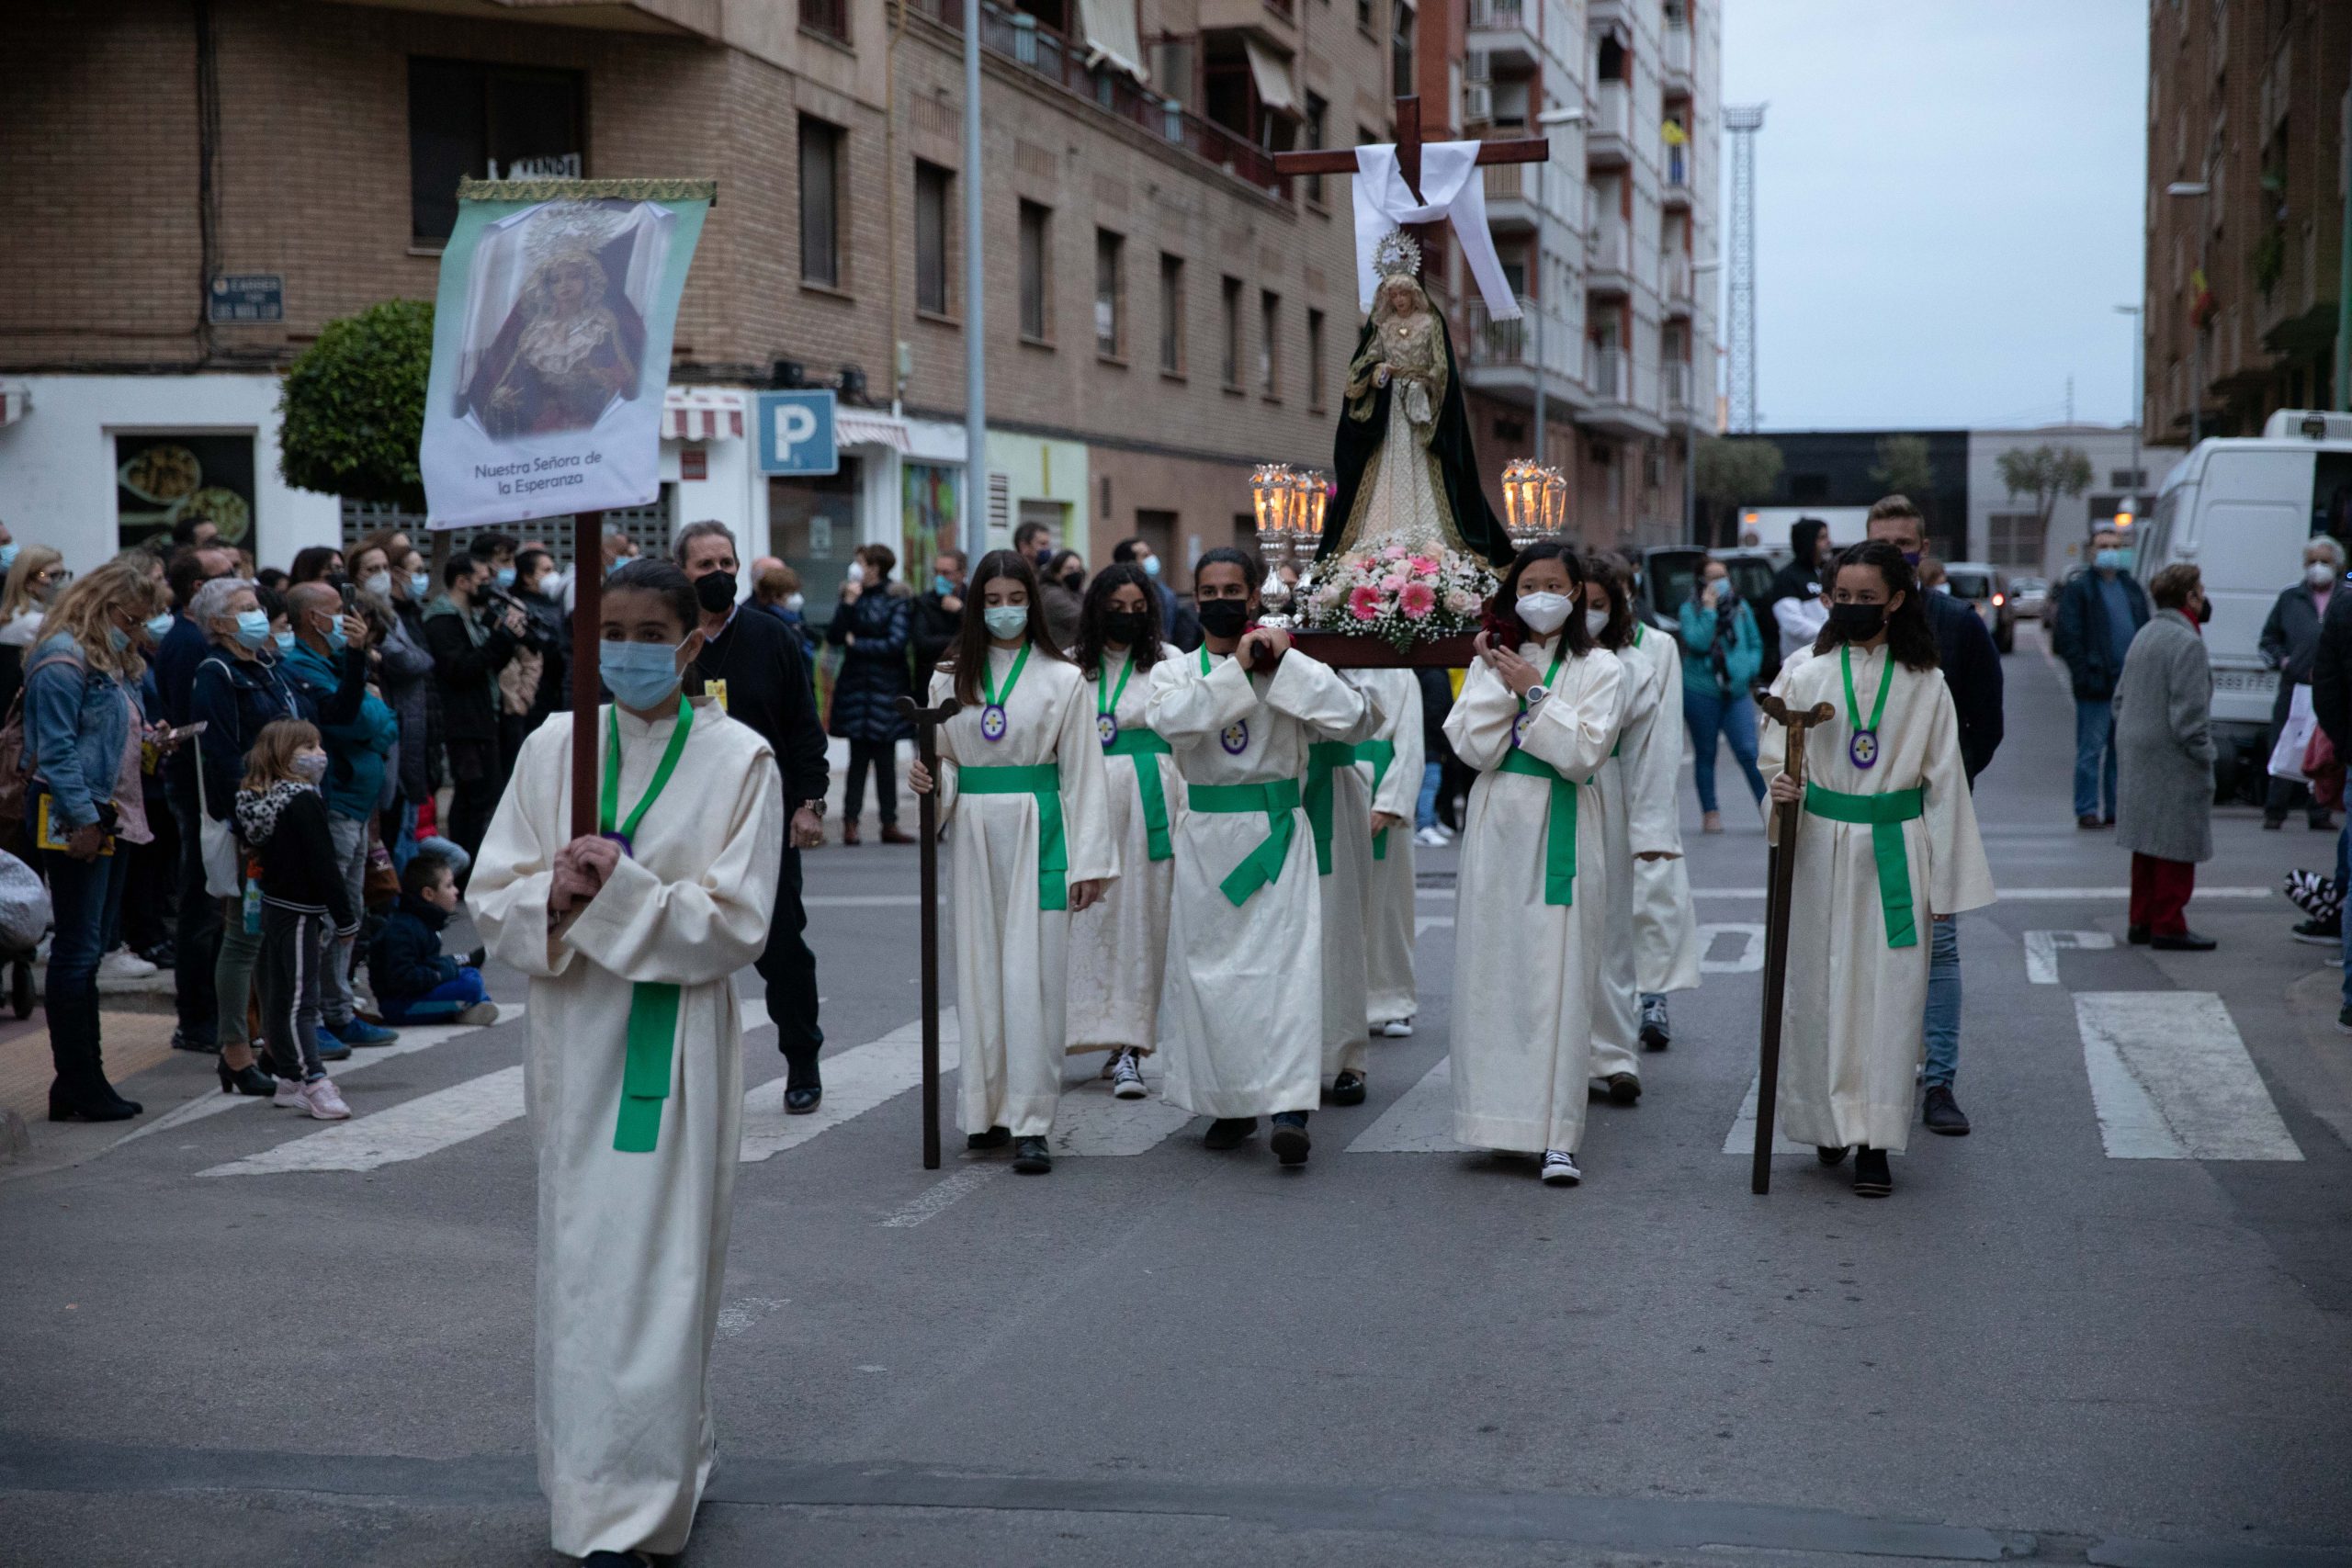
column 815, row 807
column 1537, row 693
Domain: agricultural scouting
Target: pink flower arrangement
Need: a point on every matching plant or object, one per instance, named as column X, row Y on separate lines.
column 1401, row 596
column 1364, row 603
column 1417, row 600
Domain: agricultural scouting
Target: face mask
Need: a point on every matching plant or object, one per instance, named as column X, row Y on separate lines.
column 379, row 583
column 1074, row 580
column 1596, row 622
column 1544, row 614
column 1006, row 621
column 2204, row 611
column 1224, row 617
column 1857, row 623
column 1151, row 566
column 2112, row 560
column 507, row 577
column 116, row 639
column 2319, row 574
column 1124, row 626
column 310, row 766
column 856, row 573
column 1911, row 559
column 253, row 628
column 638, row 674
column 159, row 624
column 285, row 641
column 793, row 601
column 419, row 584
column 7, row 556
column 942, row 586
column 336, row 638
column 715, row 590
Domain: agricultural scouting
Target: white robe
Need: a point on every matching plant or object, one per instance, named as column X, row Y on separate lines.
column 1118, row 950
column 1246, row 998
column 1665, row 928
column 1616, row 1019
column 1012, row 985
column 1851, row 1036
column 1347, row 1032
column 1388, row 894
column 1526, row 974
column 632, row 1247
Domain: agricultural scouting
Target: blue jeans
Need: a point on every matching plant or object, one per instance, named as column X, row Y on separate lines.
column 2094, row 758
column 1708, row 713
column 1943, row 1004
column 2343, row 878
column 443, row 1001
column 79, row 895
column 1425, row 809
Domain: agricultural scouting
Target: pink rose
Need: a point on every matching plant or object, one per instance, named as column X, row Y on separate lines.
column 1394, row 552
column 1458, row 603
column 1416, row 600
column 1364, row 603
column 1394, row 582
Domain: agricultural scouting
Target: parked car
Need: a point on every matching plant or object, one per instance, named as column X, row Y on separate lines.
column 2025, row 594
column 1985, row 590
column 1669, row 573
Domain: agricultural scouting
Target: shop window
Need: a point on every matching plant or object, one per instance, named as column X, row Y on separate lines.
column 1109, row 295
column 821, row 203
column 466, row 118
column 1171, row 314
column 930, row 520
column 1037, row 223
column 163, row 479
column 813, row 528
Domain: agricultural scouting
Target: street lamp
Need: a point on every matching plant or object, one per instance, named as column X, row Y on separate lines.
column 2201, row 192
column 2139, row 395
column 1548, row 120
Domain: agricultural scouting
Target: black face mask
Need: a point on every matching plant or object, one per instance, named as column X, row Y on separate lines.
column 1224, row 618
column 1124, row 626
column 1857, row 623
column 715, row 590
column 2204, row 611
column 1074, row 580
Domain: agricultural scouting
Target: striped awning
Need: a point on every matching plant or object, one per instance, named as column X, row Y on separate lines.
column 853, row 427
column 697, row 413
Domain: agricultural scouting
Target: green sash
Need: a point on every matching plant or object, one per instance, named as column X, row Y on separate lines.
column 653, row 1005
column 1885, row 815
column 1043, row 780
column 1379, row 753
column 1143, row 745
column 1324, row 758
column 1560, row 842
column 1278, row 799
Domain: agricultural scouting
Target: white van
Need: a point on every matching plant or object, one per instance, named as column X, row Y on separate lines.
column 2241, row 510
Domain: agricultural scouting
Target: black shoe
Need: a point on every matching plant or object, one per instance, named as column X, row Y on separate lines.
column 1290, row 1141
column 85, row 1106
column 1872, row 1178
column 1229, row 1132
column 1657, row 1031
column 1031, row 1157
column 183, row 1041
column 2322, row 933
column 2320, row 822
column 476, row 959
column 1625, row 1088
column 2185, row 941
column 2136, row 935
column 2272, row 824
column 2344, row 1017
column 1831, row 1157
column 2087, row 820
column 616, row 1560
column 248, row 1080
column 994, row 1138
column 800, row 1101
column 1943, row 1112
column 1346, row 1089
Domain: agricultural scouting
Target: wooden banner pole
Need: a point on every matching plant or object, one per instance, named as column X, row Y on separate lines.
column 587, row 686
column 927, row 722
column 1779, row 893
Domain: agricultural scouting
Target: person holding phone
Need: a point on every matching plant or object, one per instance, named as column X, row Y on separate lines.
column 874, row 624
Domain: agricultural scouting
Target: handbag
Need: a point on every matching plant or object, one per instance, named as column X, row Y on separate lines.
column 2324, row 769
column 224, row 866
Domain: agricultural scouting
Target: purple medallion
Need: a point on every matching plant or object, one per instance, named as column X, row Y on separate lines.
column 1108, row 727
column 992, row 722
column 1235, row 737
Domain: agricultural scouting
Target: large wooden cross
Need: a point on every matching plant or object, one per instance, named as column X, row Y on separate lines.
column 1342, row 159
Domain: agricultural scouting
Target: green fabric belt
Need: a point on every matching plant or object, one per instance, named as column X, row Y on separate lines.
column 1324, row 758
column 1043, row 780
column 652, row 1034
column 1884, row 816
column 1379, row 753
column 1278, row 798
column 1560, row 842
column 1143, row 744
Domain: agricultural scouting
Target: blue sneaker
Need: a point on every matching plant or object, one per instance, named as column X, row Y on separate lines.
column 330, row 1048
column 359, row 1032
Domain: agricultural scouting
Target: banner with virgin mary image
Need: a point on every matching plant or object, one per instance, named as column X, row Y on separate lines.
column 551, row 346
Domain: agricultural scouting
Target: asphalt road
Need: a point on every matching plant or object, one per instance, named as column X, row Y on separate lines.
column 2113, row 1326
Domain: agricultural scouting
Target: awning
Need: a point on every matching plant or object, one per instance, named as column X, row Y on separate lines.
column 1111, row 35
column 1273, row 74
column 854, row 427
column 15, row 401
column 699, row 413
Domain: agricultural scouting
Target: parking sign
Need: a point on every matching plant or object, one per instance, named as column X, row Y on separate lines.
column 796, row 433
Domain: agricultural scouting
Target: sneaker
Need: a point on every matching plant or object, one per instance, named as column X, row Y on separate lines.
column 290, row 1092
column 1031, row 1157
column 2313, row 893
column 1290, row 1141
column 2322, row 933
column 1941, row 1114
column 1711, row 822
column 1394, row 1029
column 1346, row 1089
column 2182, row 942
column 183, row 1041
column 1229, row 1132
column 479, row 1014
column 1625, row 1088
column 1560, row 1168
column 1431, row 838
column 359, row 1032
column 1658, row 1033
column 2090, row 822
column 1872, row 1176
column 994, row 1138
column 1830, row 1155
column 124, row 965
column 323, row 1100
column 1126, row 1077
column 330, row 1048
column 2343, row 1018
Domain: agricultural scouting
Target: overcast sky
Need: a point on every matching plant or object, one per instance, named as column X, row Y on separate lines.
column 1948, row 203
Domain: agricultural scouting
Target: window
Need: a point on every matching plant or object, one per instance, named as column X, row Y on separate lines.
column 1230, row 369
column 821, row 203
column 1034, row 282
column 830, row 18
column 1316, row 111
column 1315, row 359
column 1171, row 314
column 1270, row 312
column 2016, row 538
column 490, row 122
column 932, row 203
column 1363, row 14
column 1109, row 295
column 1400, row 48
column 2128, row 479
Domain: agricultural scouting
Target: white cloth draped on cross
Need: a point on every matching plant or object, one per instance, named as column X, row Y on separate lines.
column 1451, row 189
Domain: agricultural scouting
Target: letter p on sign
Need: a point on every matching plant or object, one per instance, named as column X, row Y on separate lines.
column 796, row 433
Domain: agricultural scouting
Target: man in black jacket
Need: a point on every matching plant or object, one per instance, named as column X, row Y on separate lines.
column 1971, row 670
column 751, row 664
column 2099, row 612
column 469, row 648
column 1800, row 580
column 938, row 615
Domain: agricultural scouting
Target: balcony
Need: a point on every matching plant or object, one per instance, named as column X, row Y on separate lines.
column 1677, row 283
column 1609, row 140
column 1677, row 389
column 1499, row 358
column 1062, row 62
column 1617, row 406
column 1678, row 60
column 1609, row 258
column 1674, row 180
column 1275, row 21
column 1505, row 33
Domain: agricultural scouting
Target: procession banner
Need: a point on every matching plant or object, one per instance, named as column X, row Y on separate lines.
column 551, row 346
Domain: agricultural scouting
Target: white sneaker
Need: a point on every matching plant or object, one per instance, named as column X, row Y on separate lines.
column 1560, row 1168
column 1126, row 1077
column 124, row 965
column 289, row 1090
column 479, row 1014
column 1432, row 838
column 324, row 1101
column 1395, row 1029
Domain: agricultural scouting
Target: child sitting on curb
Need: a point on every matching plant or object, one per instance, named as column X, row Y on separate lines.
column 414, row 983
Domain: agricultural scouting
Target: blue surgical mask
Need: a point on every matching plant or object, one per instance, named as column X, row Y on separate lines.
column 116, row 639
column 507, row 577
column 159, row 624
column 253, row 628
column 7, row 556
column 335, row 637
column 638, row 674
column 2112, row 559
column 1006, row 620
column 942, row 585
column 1151, row 566
column 419, row 584
column 285, row 641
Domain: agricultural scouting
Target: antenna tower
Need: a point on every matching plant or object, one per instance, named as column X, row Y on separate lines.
column 1743, row 121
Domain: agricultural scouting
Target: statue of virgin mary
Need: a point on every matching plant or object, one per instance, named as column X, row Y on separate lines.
column 1407, row 472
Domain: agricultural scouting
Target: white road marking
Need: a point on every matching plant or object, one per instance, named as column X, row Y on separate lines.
column 1741, row 1139
column 856, row 1080
column 1423, row 922
column 409, row 1130
column 1420, row 1123
column 936, row 1199
column 1091, row 1122
column 2042, row 950
column 2171, row 1080
column 1749, row 959
column 738, row 1315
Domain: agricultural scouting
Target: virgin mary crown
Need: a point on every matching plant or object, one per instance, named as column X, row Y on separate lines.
column 1398, row 254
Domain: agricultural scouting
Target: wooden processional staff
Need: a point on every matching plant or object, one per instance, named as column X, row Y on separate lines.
column 927, row 722
column 1779, row 891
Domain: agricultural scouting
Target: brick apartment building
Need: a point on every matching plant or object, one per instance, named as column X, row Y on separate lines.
column 2247, row 99
column 200, row 185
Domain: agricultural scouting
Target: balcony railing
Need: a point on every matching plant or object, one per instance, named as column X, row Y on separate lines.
column 1609, row 373
column 1609, row 248
column 1677, row 54
column 1489, row 342
column 1612, row 109
column 830, row 18
column 1677, row 172
column 1678, row 279
column 1678, row 386
column 1497, row 13
column 1016, row 35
